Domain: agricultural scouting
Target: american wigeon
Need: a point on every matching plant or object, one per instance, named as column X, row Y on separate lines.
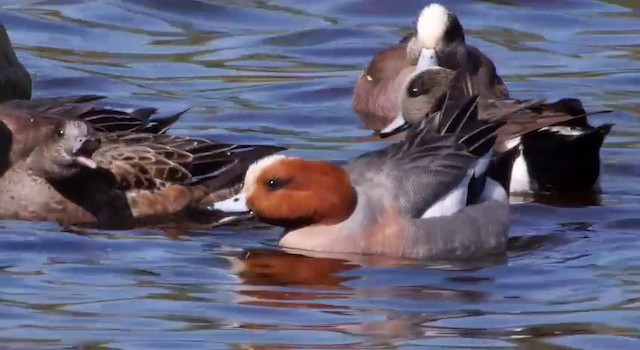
column 543, row 147
column 439, row 35
column 68, row 172
column 425, row 197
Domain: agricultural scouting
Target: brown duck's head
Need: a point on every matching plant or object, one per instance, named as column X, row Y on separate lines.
column 67, row 149
column 418, row 98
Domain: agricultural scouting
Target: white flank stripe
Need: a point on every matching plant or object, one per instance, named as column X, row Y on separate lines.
column 564, row 130
column 452, row 202
column 493, row 190
column 520, row 180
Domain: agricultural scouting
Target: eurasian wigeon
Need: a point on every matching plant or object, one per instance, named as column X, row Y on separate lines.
column 438, row 37
column 543, row 147
column 425, row 197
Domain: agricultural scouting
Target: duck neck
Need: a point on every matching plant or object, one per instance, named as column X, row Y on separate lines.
column 339, row 237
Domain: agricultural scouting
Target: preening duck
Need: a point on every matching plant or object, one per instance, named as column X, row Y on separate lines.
column 425, row 197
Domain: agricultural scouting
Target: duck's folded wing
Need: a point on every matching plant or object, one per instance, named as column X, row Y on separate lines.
column 415, row 176
column 149, row 161
column 136, row 120
column 537, row 115
column 143, row 160
column 442, row 155
column 142, row 167
column 101, row 118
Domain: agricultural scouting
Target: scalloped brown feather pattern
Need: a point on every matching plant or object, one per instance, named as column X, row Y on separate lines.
column 144, row 166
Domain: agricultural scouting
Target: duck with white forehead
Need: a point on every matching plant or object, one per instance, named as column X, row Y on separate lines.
column 426, row 197
column 440, row 30
column 437, row 39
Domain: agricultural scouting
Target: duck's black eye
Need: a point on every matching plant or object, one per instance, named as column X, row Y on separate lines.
column 276, row 184
column 422, row 84
column 60, row 133
column 416, row 89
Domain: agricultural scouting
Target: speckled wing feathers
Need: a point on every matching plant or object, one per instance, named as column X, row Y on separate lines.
column 149, row 161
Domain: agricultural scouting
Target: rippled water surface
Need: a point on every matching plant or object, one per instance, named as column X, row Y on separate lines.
column 281, row 71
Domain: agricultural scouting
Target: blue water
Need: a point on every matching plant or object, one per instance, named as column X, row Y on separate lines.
column 282, row 72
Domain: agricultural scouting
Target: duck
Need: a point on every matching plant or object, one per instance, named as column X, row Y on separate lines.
column 541, row 148
column 15, row 80
column 68, row 172
column 438, row 38
column 76, row 161
column 425, row 197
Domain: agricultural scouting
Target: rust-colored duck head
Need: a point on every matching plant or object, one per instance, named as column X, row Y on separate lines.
column 291, row 192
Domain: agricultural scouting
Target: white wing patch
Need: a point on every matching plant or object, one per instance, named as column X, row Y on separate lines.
column 564, row 130
column 456, row 199
column 510, row 143
column 520, row 179
column 494, row 190
column 452, row 202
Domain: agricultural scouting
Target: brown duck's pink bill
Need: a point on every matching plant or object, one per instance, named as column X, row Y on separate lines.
column 83, row 151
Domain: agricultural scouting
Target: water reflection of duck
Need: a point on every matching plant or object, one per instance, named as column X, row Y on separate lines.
column 293, row 279
column 323, row 271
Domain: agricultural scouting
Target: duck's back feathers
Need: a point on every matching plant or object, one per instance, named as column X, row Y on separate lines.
column 85, row 107
column 433, row 160
column 162, row 158
column 520, row 117
column 456, row 112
